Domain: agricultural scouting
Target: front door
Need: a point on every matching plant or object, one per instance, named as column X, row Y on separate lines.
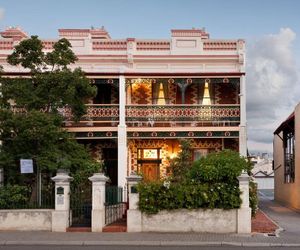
column 148, row 163
column 150, row 171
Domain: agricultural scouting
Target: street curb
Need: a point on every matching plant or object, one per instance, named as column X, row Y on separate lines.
column 147, row 243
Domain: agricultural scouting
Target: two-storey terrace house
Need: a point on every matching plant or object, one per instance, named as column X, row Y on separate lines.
column 151, row 93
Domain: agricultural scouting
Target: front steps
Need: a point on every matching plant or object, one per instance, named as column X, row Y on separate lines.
column 116, row 227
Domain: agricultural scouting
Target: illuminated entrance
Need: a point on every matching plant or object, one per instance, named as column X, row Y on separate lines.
column 148, row 163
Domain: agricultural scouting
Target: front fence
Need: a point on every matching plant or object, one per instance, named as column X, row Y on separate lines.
column 115, row 207
column 30, row 196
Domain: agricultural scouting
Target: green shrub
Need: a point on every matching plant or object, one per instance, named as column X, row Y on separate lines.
column 253, row 198
column 219, row 167
column 210, row 182
column 13, row 196
column 157, row 196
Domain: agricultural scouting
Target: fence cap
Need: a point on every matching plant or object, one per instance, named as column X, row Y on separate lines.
column 133, row 177
column 62, row 176
column 244, row 177
column 98, row 177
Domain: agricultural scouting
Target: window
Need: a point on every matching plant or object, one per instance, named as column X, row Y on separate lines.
column 289, row 157
column 199, row 153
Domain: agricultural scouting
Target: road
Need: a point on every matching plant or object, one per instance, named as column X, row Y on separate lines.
column 135, row 248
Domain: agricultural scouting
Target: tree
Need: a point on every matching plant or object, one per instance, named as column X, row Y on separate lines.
column 30, row 122
column 181, row 164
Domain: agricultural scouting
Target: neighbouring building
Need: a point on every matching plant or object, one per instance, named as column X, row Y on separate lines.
column 151, row 93
column 286, row 150
column 263, row 171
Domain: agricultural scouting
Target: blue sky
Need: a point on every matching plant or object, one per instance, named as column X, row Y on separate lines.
column 271, row 29
column 153, row 18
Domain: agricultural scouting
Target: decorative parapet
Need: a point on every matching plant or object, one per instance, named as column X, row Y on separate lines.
column 153, row 45
column 110, row 45
column 219, row 45
column 14, row 33
column 48, row 44
column 6, row 45
column 74, row 32
column 190, row 33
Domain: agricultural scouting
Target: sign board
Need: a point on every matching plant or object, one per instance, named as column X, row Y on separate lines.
column 60, row 190
column 60, row 200
column 26, row 166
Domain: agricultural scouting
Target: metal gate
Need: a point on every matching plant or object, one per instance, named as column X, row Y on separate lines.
column 81, row 205
column 115, row 206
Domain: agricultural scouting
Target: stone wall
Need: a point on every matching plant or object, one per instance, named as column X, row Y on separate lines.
column 200, row 220
column 26, row 220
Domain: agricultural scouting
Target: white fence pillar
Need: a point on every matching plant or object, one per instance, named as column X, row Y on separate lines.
column 244, row 213
column 134, row 215
column 98, row 199
column 60, row 217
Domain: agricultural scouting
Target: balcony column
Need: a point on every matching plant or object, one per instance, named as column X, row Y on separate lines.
column 243, row 130
column 122, row 135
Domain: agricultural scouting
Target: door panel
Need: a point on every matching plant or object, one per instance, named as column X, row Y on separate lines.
column 150, row 171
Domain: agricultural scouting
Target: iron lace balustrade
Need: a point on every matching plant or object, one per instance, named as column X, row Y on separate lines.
column 105, row 114
column 157, row 115
column 183, row 115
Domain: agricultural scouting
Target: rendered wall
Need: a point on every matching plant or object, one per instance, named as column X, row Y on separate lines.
column 26, row 220
column 287, row 193
column 206, row 221
column 265, row 183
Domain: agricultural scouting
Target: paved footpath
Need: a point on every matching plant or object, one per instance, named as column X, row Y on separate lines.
column 286, row 218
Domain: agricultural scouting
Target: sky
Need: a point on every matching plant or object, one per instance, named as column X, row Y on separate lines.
column 271, row 29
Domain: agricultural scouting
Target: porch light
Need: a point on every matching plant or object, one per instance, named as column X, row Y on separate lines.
column 172, row 156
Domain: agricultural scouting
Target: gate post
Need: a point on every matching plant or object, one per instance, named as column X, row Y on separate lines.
column 98, row 199
column 60, row 216
column 134, row 215
column 244, row 212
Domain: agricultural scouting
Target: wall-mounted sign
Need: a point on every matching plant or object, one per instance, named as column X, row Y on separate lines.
column 26, row 166
column 60, row 190
column 60, row 200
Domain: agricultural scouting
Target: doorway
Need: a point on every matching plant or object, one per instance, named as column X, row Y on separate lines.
column 149, row 163
column 150, row 171
column 110, row 157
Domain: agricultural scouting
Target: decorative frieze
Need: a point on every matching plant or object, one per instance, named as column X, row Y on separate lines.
column 184, row 134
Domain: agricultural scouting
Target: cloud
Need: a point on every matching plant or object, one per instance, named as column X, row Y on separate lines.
column 272, row 84
column 1, row 13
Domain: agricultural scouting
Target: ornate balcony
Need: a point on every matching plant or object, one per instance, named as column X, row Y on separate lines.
column 160, row 115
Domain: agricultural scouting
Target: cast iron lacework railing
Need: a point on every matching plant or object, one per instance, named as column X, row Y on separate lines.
column 169, row 115
column 179, row 114
column 96, row 113
column 157, row 115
